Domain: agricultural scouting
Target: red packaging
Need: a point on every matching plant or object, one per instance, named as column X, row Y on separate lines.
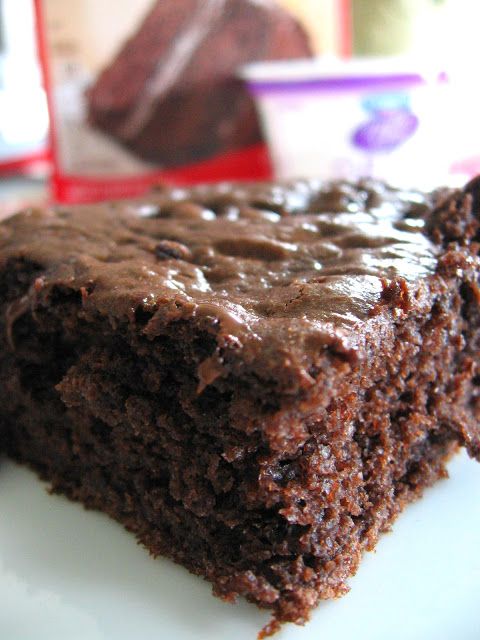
column 147, row 91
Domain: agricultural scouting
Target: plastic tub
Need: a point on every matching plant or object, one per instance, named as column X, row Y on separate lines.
column 352, row 119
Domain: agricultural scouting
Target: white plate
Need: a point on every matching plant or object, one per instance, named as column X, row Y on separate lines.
column 68, row 574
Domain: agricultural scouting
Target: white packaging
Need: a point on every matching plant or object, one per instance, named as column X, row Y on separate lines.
column 352, row 119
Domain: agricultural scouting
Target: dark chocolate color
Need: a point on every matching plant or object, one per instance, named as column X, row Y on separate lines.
column 255, row 379
column 172, row 94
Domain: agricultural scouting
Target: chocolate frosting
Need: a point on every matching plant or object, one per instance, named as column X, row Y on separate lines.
column 293, row 267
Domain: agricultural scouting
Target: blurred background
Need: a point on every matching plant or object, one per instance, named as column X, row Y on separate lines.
column 309, row 126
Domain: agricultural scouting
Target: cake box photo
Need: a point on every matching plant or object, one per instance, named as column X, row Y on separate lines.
column 155, row 95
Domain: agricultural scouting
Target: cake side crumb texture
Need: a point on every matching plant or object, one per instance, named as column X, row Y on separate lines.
column 254, row 379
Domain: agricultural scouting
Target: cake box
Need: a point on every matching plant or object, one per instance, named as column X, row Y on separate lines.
column 143, row 92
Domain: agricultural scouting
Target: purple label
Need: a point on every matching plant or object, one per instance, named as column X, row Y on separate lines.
column 386, row 130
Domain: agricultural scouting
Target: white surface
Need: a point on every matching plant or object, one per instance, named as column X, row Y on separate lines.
column 67, row 574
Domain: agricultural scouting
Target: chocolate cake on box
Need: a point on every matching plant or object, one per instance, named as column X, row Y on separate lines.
column 171, row 94
column 254, row 379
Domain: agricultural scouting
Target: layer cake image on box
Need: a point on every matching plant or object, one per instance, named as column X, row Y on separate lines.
column 171, row 94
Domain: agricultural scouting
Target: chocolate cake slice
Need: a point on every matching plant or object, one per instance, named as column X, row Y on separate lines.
column 253, row 379
column 171, row 94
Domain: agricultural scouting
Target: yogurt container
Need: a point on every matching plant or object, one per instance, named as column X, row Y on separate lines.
column 353, row 118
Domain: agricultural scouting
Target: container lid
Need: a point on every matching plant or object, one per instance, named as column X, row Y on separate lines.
column 335, row 74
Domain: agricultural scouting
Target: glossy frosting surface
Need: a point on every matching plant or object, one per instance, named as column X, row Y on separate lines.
column 267, row 262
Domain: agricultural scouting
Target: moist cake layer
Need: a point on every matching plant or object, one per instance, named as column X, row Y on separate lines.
column 252, row 378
